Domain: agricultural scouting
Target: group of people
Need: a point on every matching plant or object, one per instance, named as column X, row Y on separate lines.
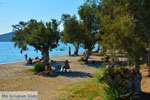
column 29, row 61
column 64, row 68
column 48, row 68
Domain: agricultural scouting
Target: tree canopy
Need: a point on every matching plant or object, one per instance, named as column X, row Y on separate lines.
column 122, row 27
column 42, row 36
column 87, row 13
column 73, row 31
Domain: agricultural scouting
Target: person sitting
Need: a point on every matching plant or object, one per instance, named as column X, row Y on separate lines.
column 66, row 66
column 29, row 61
column 48, row 67
column 47, row 70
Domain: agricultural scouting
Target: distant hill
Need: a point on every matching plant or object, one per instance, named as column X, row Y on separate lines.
column 6, row 37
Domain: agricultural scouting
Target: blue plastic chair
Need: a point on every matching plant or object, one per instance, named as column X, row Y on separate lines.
column 58, row 68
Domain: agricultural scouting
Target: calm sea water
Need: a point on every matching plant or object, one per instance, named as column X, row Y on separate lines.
column 8, row 53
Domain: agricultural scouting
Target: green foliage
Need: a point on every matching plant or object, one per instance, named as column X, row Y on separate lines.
column 102, row 53
column 90, row 24
column 122, row 27
column 88, row 90
column 100, row 74
column 90, row 21
column 19, row 35
column 73, row 32
column 118, row 94
column 113, row 90
column 42, row 36
column 39, row 67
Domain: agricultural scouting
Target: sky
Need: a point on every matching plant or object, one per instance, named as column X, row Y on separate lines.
column 13, row 11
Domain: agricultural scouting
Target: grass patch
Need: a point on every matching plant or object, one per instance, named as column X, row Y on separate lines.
column 100, row 73
column 88, row 90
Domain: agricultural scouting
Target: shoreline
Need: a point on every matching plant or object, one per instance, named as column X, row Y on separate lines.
column 25, row 61
column 12, row 62
column 80, row 53
column 10, row 54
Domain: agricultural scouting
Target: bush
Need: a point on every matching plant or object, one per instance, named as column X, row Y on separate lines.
column 118, row 93
column 115, row 88
column 39, row 67
column 101, row 74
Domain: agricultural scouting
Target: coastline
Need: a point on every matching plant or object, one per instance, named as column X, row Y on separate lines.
column 11, row 62
column 24, row 60
column 10, row 54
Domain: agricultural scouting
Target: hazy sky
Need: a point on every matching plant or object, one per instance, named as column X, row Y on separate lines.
column 13, row 11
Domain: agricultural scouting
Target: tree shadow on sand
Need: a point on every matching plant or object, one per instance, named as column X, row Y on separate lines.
column 95, row 64
column 74, row 74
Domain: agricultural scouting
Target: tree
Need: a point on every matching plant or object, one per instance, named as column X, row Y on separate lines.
column 123, row 28
column 72, row 32
column 87, row 13
column 146, row 6
column 42, row 36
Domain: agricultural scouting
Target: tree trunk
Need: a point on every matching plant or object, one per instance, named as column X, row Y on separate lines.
column 148, row 62
column 97, row 51
column 76, row 50
column 46, row 56
column 87, row 54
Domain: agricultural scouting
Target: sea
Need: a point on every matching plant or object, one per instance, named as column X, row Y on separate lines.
column 10, row 54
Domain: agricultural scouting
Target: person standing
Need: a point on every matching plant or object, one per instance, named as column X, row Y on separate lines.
column 69, row 51
column 26, row 56
column 21, row 51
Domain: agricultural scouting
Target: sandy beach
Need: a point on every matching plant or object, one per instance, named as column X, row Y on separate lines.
column 18, row 77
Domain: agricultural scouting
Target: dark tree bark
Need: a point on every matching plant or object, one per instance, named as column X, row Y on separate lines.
column 87, row 54
column 46, row 56
column 76, row 50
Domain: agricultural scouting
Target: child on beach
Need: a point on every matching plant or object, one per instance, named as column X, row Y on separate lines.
column 26, row 56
